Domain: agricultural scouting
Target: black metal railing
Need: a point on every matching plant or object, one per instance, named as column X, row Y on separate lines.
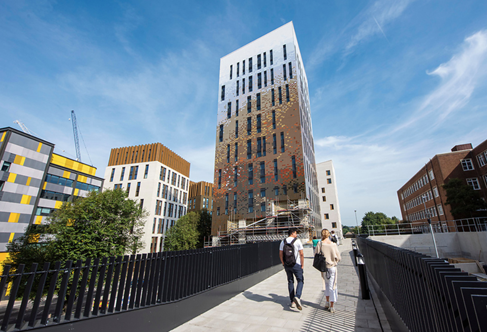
column 428, row 293
column 67, row 292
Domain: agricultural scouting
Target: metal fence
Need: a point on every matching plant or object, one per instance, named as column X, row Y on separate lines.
column 100, row 287
column 428, row 293
column 458, row 225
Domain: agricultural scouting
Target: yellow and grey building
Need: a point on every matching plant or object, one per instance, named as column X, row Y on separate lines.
column 34, row 181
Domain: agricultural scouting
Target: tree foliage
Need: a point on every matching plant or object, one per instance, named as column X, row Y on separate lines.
column 100, row 225
column 377, row 219
column 464, row 201
column 189, row 231
column 184, row 234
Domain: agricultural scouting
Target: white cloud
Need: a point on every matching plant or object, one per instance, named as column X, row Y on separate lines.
column 379, row 14
column 460, row 76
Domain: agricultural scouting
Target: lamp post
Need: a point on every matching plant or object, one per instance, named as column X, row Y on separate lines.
column 426, row 214
column 358, row 229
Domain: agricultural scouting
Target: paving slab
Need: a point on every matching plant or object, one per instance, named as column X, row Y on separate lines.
column 265, row 306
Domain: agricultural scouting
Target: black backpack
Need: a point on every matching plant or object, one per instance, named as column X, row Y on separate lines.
column 288, row 253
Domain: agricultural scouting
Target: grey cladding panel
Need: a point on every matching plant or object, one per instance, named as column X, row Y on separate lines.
column 24, row 141
column 34, row 164
column 55, row 171
column 45, row 149
column 4, row 237
column 11, row 197
column 4, row 216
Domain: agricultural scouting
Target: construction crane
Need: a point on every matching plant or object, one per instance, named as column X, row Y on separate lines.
column 75, row 132
column 23, row 127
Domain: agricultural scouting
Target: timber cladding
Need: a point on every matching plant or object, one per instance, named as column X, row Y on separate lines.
column 149, row 152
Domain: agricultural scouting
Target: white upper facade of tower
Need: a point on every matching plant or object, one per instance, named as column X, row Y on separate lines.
column 329, row 206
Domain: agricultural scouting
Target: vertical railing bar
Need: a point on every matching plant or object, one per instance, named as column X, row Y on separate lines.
column 162, row 274
column 99, row 288
column 146, row 279
column 40, row 291
column 108, row 283
column 25, row 299
column 151, row 278
column 91, row 288
column 128, row 283
column 151, row 298
column 113, row 294
column 50, row 293
column 158, row 276
column 122, row 283
column 62, row 292
column 140, row 280
column 82, row 287
column 13, row 296
column 134, row 282
column 74, row 287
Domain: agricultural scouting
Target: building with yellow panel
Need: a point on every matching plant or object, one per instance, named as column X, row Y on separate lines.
column 34, row 181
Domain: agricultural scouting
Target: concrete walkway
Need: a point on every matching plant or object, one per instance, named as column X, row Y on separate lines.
column 265, row 307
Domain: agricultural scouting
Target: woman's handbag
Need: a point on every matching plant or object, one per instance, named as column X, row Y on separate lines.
column 319, row 261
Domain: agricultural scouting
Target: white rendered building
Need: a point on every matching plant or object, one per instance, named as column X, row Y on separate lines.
column 156, row 177
column 330, row 209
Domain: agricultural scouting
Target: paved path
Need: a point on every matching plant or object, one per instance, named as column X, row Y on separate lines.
column 265, row 307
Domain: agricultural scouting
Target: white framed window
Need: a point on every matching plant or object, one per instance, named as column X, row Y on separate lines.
column 432, row 176
column 435, row 191
column 474, row 182
column 481, row 159
column 485, row 180
column 440, row 209
column 467, row 164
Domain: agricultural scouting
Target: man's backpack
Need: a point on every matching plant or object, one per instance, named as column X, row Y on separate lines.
column 288, row 253
column 333, row 239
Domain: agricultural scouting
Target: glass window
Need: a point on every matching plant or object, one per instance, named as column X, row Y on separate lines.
column 284, row 52
column 259, row 122
column 467, row 164
column 294, row 167
column 250, row 169
column 474, row 182
column 111, row 175
column 229, row 110
column 146, row 173
column 271, row 59
column 250, row 84
column 290, row 70
column 284, row 72
column 223, row 93
column 259, row 61
column 122, row 174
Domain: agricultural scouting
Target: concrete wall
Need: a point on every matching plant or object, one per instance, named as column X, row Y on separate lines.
column 459, row 244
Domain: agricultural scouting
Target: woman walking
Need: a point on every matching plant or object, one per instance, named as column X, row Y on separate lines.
column 330, row 251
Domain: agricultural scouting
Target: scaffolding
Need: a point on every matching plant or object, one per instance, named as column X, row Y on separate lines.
column 273, row 226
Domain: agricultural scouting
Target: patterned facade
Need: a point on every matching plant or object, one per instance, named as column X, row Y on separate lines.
column 329, row 206
column 159, row 179
column 264, row 141
column 200, row 196
column 34, row 182
column 423, row 195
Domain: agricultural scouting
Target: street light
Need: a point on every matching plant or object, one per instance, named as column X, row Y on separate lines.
column 426, row 214
column 358, row 229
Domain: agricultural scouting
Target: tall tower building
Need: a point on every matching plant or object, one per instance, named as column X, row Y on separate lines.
column 264, row 141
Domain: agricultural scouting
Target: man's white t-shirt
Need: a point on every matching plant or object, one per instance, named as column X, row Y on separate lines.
column 297, row 247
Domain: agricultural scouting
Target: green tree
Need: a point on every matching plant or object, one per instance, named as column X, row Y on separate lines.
column 345, row 229
column 464, row 201
column 377, row 219
column 184, row 234
column 103, row 224
column 204, row 227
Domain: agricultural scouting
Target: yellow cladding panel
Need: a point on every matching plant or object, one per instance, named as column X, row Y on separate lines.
column 58, row 204
column 12, row 177
column 28, row 181
column 3, row 257
column 39, row 147
column 3, row 136
column 44, row 186
column 66, row 174
column 76, row 192
column 11, row 237
column 38, row 220
column 72, row 164
column 19, row 160
column 25, row 199
column 82, row 178
column 14, row 217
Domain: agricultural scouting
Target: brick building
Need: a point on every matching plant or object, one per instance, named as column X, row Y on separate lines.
column 423, row 195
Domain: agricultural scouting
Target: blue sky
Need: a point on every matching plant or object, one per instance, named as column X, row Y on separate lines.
column 392, row 83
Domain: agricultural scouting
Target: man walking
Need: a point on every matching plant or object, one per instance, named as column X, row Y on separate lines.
column 292, row 258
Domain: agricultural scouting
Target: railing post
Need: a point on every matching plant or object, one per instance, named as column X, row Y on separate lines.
column 363, row 277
